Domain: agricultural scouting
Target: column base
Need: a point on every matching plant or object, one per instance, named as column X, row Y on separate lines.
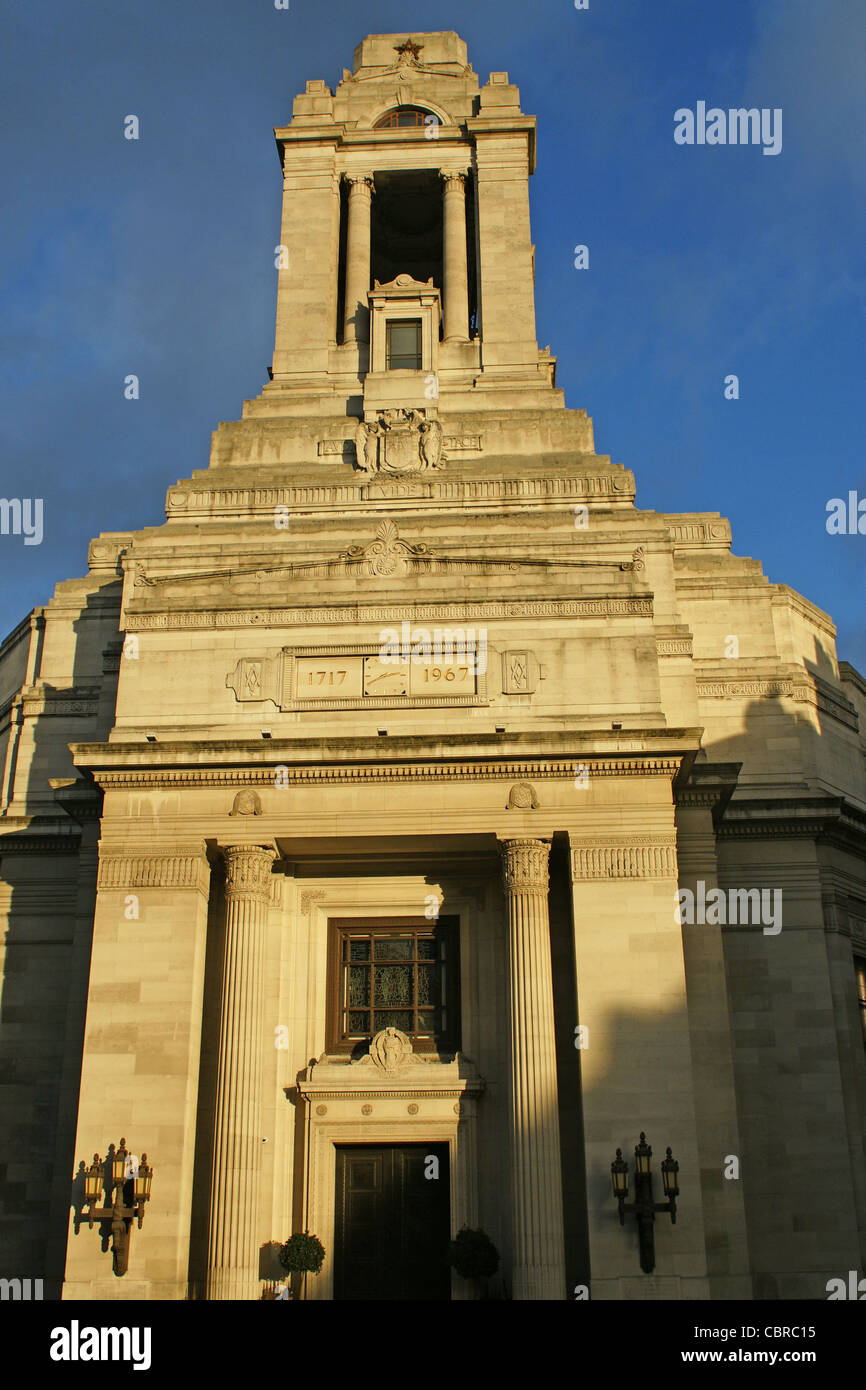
column 543, row 1284
column 233, row 1286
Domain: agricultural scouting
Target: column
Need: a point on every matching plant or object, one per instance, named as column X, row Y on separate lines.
column 538, row 1247
column 456, row 277
column 233, row 1255
column 357, row 314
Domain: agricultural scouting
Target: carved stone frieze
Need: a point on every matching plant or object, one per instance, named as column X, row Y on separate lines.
column 470, row 771
column 161, row 869
column 77, row 700
column 630, row 607
column 617, row 485
column 639, row 857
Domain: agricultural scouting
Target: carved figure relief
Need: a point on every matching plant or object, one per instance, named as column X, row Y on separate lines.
column 398, row 441
column 246, row 803
column 390, row 1051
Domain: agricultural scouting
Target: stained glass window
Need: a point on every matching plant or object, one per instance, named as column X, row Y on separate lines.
column 398, row 976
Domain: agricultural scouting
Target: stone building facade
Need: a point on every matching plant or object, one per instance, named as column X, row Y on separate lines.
column 364, row 827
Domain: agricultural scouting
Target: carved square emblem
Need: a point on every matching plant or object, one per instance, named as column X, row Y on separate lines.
column 519, row 672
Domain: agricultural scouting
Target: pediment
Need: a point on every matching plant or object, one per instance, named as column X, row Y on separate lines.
column 389, row 556
column 405, row 284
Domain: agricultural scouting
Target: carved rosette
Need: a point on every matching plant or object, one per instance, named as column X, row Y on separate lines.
column 248, row 871
column 524, row 865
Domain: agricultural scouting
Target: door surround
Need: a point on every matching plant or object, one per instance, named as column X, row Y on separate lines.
column 422, row 1101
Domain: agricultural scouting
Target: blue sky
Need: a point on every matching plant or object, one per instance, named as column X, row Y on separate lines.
column 155, row 257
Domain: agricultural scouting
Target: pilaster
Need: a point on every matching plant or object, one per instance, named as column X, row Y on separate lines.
column 140, row 1066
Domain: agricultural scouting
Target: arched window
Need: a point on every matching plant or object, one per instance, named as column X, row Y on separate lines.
column 401, row 116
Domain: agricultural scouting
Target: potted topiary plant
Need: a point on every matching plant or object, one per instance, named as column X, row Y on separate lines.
column 302, row 1254
column 473, row 1255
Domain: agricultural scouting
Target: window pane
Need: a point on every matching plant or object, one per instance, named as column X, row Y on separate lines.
column 394, row 948
column 359, row 950
column 393, row 1018
column 428, row 984
column 359, row 985
column 393, row 984
column 359, row 1022
column 428, row 1023
column 427, row 949
column 404, row 345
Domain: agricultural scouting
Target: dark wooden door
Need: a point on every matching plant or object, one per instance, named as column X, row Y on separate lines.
column 392, row 1222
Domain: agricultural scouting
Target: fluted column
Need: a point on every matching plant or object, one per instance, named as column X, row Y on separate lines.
column 357, row 313
column 233, row 1256
column 456, row 275
column 538, row 1244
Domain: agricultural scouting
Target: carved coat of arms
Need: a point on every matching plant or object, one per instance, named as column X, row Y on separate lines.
column 398, row 441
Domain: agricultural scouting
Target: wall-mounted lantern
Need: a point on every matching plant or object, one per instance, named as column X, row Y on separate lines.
column 643, row 1205
column 126, row 1183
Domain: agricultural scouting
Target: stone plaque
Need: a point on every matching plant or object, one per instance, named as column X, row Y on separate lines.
column 331, row 679
column 328, row 678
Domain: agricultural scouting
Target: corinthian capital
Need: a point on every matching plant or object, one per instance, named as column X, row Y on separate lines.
column 248, row 870
column 524, row 865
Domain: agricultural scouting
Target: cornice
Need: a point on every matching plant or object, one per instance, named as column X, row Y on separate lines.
column 469, row 771
column 833, row 820
column 20, row 842
column 73, row 700
column 451, row 1091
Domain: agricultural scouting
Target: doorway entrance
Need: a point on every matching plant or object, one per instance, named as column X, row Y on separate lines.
column 393, row 1219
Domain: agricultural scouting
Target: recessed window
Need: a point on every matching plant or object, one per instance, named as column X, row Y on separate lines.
column 860, row 967
column 403, row 116
column 403, row 345
column 399, row 974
